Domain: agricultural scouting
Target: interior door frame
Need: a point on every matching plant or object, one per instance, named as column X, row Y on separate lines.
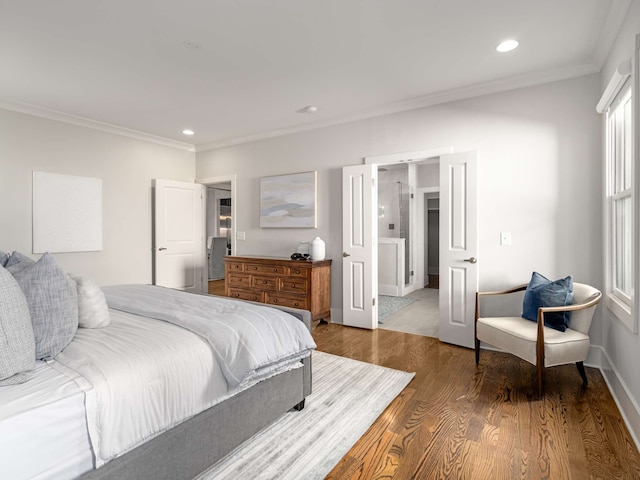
column 409, row 158
column 211, row 181
column 413, row 157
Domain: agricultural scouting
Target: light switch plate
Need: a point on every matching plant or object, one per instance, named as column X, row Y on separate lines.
column 505, row 238
column 240, row 236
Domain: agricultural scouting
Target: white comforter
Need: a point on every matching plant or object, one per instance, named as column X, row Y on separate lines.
column 143, row 376
column 248, row 340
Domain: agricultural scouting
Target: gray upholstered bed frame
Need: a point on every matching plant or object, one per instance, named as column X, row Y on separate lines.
column 194, row 445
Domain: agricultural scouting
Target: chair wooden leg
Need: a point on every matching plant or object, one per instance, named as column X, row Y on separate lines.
column 582, row 373
column 540, row 369
column 477, row 351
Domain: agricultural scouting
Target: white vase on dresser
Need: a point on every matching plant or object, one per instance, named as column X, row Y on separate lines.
column 318, row 249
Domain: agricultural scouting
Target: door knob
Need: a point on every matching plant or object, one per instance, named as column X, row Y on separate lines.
column 345, row 254
column 162, row 248
column 471, row 260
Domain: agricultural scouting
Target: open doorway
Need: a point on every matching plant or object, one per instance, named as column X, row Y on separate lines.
column 218, row 227
column 220, row 219
column 458, row 181
column 413, row 306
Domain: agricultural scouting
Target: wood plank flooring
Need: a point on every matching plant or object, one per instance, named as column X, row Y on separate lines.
column 216, row 287
column 456, row 421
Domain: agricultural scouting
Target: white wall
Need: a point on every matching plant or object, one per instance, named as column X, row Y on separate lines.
column 428, row 175
column 621, row 347
column 126, row 167
column 539, row 150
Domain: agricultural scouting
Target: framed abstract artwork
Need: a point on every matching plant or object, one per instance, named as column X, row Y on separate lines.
column 289, row 201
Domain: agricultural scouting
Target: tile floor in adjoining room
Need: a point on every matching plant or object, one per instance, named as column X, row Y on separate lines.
column 420, row 317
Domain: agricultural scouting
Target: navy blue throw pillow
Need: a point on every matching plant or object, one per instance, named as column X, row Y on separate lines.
column 542, row 292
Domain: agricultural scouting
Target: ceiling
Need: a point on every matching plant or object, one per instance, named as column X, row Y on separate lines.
column 239, row 70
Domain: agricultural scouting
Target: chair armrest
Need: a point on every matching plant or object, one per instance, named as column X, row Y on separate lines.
column 519, row 288
column 576, row 306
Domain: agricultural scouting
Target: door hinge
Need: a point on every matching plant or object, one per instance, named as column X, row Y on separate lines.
column 373, row 301
column 411, row 273
column 412, row 195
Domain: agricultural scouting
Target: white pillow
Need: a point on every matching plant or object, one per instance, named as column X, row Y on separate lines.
column 92, row 306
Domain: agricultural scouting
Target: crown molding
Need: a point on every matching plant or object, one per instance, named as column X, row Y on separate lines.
column 93, row 124
column 616, row 15
column 456, row 94
column 463, row 93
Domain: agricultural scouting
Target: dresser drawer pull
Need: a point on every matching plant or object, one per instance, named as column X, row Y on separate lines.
column 236, row 295
column 293, row 285
column 275, row 300
column 297, row 304
column 264, row 282
column 255, row 297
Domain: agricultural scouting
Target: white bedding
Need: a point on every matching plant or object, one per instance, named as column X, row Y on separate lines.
column 43, row 431
column 142, row 376
column 248, row 340
column 108, row 391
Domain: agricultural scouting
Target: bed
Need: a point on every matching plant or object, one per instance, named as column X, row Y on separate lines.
column 162, row 391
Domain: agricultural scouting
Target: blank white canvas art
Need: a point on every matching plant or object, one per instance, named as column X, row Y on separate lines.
column 67, row 213
column 288, row 201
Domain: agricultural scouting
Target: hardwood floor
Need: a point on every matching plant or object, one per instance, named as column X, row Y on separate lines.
column 456, row 421
column 216, row 287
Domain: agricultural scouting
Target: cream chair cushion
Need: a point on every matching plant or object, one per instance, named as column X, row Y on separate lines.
column 518, row 336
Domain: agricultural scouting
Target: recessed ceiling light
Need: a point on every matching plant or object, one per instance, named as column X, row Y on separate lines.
column 308, row 109
column 188, row 132
column 507, row 46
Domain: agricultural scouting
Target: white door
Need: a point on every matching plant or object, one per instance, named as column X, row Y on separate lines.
column 458, row 246
column 359, row 237
column 179, row 253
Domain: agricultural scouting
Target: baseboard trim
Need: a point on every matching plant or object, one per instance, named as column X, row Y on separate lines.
column 629, row 409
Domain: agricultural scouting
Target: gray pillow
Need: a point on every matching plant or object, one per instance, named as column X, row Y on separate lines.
column 53, row 304
column 17, row 345
column 92, row 306
column 4, row 258
column 17, row 262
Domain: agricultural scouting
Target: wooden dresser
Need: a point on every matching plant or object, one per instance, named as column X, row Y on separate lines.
column 280, row 281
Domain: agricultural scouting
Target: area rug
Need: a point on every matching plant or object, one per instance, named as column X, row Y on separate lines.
column 388, row 305
column 347, row 398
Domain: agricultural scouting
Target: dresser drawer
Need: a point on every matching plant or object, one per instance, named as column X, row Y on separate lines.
column 286, row 301
column 239, row 280
column 281, row 282
column 293, row 285
column 272, row 269
column 264, row 283
column 235, row 266
column 246, row 295
column 298, row 272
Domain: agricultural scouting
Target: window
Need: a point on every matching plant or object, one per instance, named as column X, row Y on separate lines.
column 619, row 205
